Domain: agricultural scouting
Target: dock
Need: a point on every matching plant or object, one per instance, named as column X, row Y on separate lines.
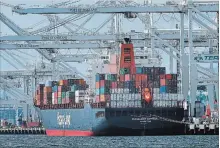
column 198, row 126
column 34, row 131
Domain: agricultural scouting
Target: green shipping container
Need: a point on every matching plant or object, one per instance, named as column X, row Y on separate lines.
column 70, row 94
column 74, row 88
column 59, row 100
column 112, row 77
column 63, row 95
column 124, row 71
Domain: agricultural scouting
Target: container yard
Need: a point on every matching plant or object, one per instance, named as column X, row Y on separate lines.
column 129, row 75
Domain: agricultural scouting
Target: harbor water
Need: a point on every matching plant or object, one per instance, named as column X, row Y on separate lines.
column 41, row 141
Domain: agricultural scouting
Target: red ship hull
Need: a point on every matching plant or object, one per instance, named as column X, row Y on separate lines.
column 68, row 133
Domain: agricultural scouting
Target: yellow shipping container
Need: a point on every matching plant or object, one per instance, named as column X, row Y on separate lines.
column 102, row 98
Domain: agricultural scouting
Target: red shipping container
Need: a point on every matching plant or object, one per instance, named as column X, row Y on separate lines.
column 162, row 82
column 97, row 99
column 48, row 89
column 122, row 78
column 114, row 84
column 138, row 77
column 143, row 77
column 127, row 77
column 97, row 85
column 55, row 95
column 137, row 84
column 162, row 76
column 102, row 83
column 168, row 76
column 65, row 82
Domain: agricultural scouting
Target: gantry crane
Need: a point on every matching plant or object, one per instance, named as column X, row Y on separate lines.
column 186, row 38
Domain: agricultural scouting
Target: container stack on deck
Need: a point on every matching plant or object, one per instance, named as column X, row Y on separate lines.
column 126, row 84
column 60, row 92
column 39, row 94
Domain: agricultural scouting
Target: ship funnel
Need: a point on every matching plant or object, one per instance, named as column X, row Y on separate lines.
column 127, row 41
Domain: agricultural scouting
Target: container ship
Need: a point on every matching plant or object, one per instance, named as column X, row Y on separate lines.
column 133, row 101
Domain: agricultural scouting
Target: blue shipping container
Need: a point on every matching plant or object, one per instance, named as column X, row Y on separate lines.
column 97, row 91
column 55, row 89
column 163, row 89
column 139, row 70
column 102, row 90
column 97, row 78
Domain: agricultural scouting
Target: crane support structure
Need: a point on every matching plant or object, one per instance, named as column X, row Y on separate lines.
column 163, row 34
column 172, row 42
column 213, row 7
column 86, row 45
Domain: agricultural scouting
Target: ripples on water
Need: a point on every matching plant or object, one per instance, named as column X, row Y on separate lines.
column 31, row 141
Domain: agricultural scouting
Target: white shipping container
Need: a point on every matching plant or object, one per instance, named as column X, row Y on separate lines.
column 80, row 93
column 78, row 99
column 126, row 90
column 156, row 90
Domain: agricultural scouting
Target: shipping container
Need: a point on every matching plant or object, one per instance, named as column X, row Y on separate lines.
column 100, row 77
column 139, row 70
column 74, row 88
column 54, row 88
column 168, row 76
column 80, row 93
column 162, row 82
column 79, row 99
column 163, row 89
column 47, row 89
column 97, row 91
column 124, row 71
column 59, row 100
column 104, row 90
column 63, row 95
column 97, row 98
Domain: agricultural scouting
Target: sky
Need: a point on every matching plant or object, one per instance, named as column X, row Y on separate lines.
column 28, row 22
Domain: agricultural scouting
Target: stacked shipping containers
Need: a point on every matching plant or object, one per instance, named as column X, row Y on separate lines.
column 168, row 83
column 103, row 85
column 39, row 95
column 59, row 92
column 125, row 88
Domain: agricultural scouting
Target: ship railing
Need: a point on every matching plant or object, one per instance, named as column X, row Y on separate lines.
column 168, row 103
column 61, row 106
column 98, row 105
